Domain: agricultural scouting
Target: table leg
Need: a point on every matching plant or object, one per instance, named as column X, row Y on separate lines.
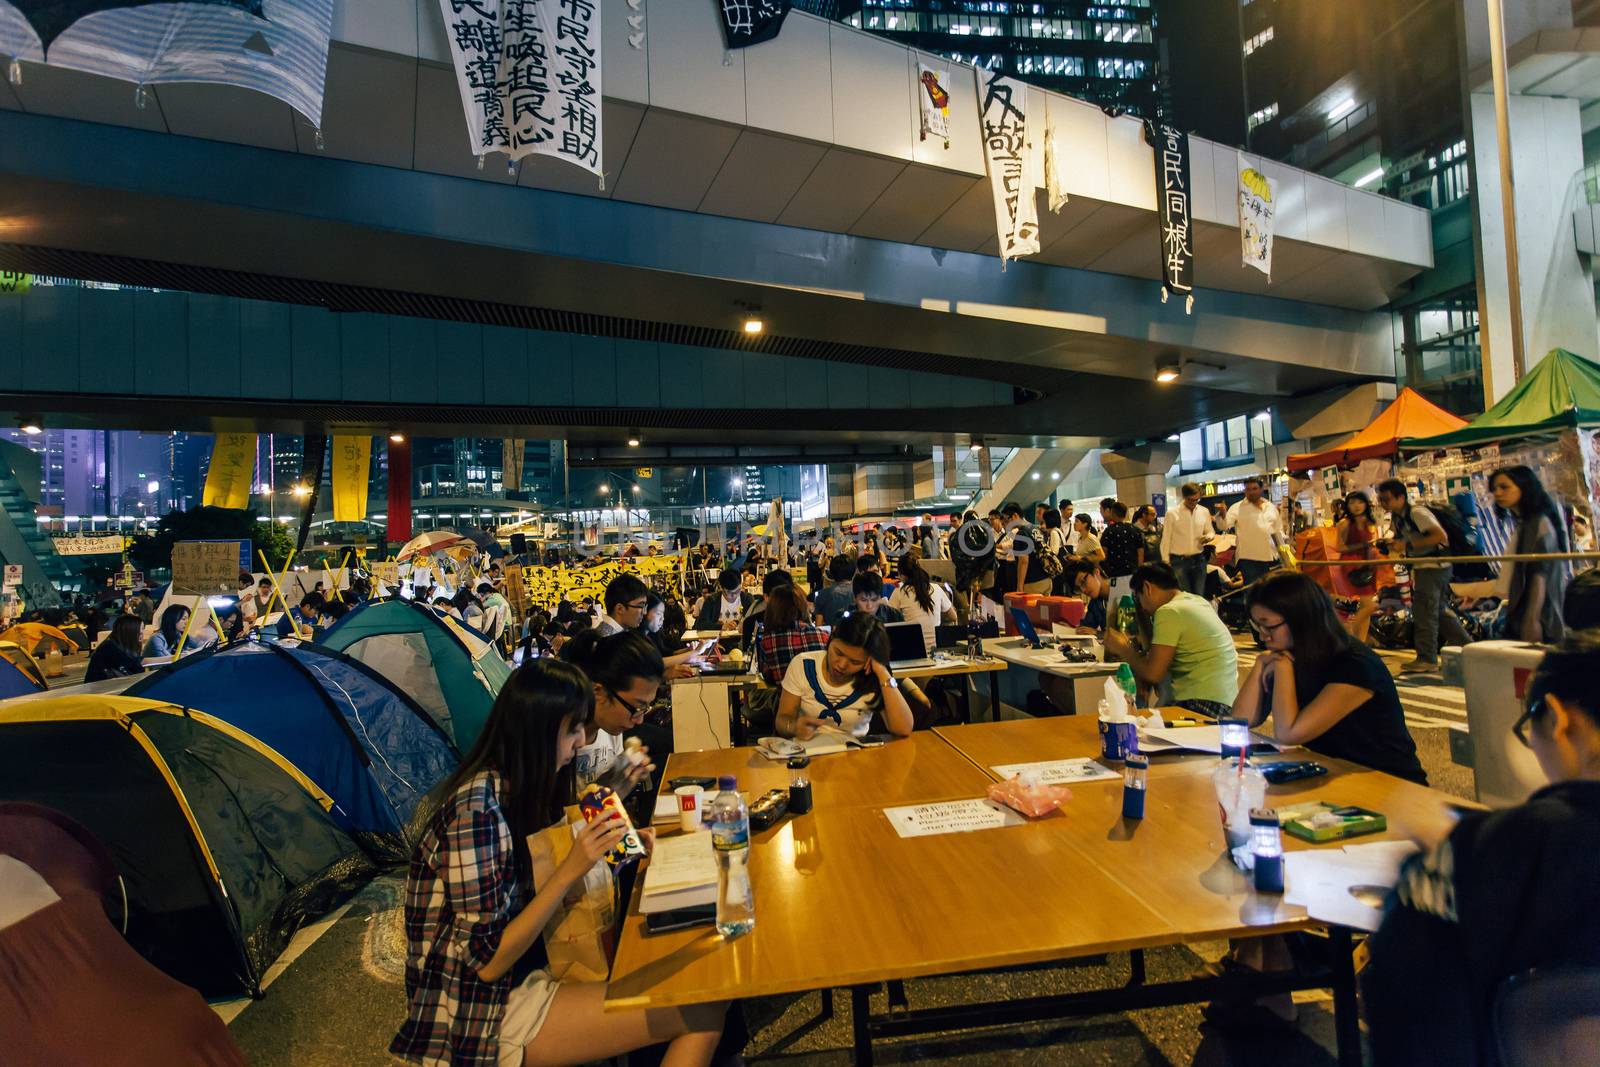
column 860, row 1007
column 1346, row 1009
column 1136, row 967
column 827, row 1006
column 994, row 696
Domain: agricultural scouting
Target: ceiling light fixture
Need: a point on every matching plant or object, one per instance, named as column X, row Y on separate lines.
column 30, row 427
column 1034, row 476
column 1169, row 371
column 1055, row 476
column 753, row 324
column 1368, row 178
column 397, row 438
column 633, row 438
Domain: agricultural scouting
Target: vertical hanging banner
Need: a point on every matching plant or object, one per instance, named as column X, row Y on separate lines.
column 1055, row 186
column 232, row 472
column 529, row 74
column 1172, row 205
column 398, row 518
column 1257, row 204
column 748, row 22
column 934, row 95
column 312, row 465
column 512, row 451
column 1005, row 149
column 352, row 464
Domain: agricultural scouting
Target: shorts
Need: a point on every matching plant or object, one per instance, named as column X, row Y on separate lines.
column 526, row 1007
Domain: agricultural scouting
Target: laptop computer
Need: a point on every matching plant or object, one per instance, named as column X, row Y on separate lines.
column 907, row 648
column 1025, row 628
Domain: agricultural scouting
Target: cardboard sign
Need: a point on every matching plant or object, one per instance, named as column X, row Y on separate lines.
column 386, row 571
column 207, row 568
column 99, row 545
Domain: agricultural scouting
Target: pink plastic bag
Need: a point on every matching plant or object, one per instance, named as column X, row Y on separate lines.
column 1032, row 799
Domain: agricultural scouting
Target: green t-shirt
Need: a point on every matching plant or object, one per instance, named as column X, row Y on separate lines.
column 1205, row 664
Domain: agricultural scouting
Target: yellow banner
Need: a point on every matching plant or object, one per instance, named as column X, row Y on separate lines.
column 547, row 587
column 233, row 469
column 352, row 461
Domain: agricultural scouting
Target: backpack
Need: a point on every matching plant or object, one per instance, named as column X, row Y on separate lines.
column 1463, row 541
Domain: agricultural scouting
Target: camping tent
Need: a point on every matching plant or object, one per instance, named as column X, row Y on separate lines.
column 224, row 847
column 19, row 672
column 99, row 1001
column 37, row 638
column 453, row 671
column 1561, row 392
column 370, row 747
column 1409, row 415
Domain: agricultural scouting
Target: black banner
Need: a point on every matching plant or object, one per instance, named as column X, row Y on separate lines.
column 311, row 467
column 748, row 22
column 1173, row 207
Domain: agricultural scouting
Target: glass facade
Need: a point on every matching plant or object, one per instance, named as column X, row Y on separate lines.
column 1105, row 53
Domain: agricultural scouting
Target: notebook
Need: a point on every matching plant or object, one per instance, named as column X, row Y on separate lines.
column 682, row 874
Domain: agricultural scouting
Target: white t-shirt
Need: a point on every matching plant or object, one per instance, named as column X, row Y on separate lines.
column 1255, row 528
column 730, row 611
column 856, row 718
column 593, row 761
column 905, row 601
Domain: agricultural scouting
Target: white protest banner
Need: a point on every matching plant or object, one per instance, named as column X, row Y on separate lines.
column 529, row 74
column 92, row 545
column 1257, row 203
column 208, row 568
column 933, row 93
column 1055, row 185
column 1005, row 149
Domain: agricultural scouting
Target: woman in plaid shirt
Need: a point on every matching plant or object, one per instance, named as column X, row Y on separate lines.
column 477, row 975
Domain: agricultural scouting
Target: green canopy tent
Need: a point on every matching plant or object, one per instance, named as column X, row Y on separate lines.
column 447, row 667
column 1561, row 392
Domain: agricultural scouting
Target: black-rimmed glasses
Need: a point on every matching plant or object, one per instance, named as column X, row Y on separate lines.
column 1519, row 729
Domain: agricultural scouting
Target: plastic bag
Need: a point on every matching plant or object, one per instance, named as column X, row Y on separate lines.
column 1030, row 797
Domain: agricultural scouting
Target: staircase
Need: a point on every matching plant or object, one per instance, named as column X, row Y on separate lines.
column 44, row 571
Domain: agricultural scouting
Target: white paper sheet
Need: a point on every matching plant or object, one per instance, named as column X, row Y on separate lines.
column 1320, row 881
column 681, row 861
column 951, row 817
column 1192, row 739
column 1060, row 771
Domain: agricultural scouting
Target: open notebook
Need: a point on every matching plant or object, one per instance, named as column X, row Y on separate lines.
column 1195, row 739
column 682, row 874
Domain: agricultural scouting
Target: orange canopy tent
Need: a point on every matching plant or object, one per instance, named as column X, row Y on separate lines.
column 1410, row 415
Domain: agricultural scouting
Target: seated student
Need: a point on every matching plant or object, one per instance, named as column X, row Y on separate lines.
column 169, row 635
column 303, row 620
column 442, row 604
column 868, row 598
column 627, row 672
column 1500, row 893
column 753, row 618
column 838, row 597
column 118, row 654
column 478, row 982
column 847, row 685
column 1323, row 688
column 1188, row 644
column 626, row 599
column 1085, row 580
column 921, row 600
column 727, row 611
column 785, row 633
column 873, row 565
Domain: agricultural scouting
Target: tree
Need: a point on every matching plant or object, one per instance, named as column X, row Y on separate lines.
column 211, row 524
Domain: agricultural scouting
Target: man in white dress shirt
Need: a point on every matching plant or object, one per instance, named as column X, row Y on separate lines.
column 1259, row 528
column 1184, row 538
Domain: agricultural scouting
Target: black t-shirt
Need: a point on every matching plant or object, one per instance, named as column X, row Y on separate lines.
column 1122, row 542
column 1374, row 734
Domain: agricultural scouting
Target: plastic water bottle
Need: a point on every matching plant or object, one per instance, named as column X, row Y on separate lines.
column 1129, row 687
column 730, row 838
column 1127, row 615
column 974, row 638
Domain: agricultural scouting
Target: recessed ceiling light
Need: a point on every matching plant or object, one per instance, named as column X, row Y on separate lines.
column 1034, row 476
column 1167, row 373
column 398, row 438
column 753, row 324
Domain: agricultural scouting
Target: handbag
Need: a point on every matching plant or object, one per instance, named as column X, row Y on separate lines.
column 581, row 937
column 1365, row 574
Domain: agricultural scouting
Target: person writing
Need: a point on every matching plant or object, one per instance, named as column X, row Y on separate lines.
column 479, row 988
column 725, row 612
column 1494, row 895
column 1084, row 579
column 844, row 687
column 1322, row 688
column 920, row 600
column 1259, row 529
column 626, row 672
column 169, row 635
column 1184, row 538
column 1189, row 644
column 1536, row 589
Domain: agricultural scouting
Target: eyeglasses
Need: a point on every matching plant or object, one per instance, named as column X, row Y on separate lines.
column 1264, row 629
column 1519, row 729
column 634, row 710
column 637, row 605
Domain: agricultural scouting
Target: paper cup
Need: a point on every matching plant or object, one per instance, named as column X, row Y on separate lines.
column 1118, row 740
column 691, row 803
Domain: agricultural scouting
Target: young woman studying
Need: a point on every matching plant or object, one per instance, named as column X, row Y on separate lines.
column 845, row 687
column 1323, row 688
column 477, row 976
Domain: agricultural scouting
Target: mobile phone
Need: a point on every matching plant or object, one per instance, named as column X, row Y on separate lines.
column 690, row 779
column 1291, row 770
column 660, row 922
column 871, row 740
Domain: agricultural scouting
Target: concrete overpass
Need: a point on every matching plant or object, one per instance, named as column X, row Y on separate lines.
column 387, row 282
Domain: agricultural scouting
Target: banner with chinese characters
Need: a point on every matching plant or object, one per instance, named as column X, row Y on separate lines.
column 512, row 452
column 547, row 587
column 1258, row 199
column 529, row 74
column 748, row 22
column 233, row 470
column 1172, row 206
column 91, row 545
column 1005, row 149
column 352, row 461
column 933, row 93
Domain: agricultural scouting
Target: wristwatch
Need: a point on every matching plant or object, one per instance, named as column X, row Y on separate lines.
column 894, row 683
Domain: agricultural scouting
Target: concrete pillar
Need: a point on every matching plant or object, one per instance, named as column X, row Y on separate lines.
column 841, row 491
column 1140, row 472
column 1558, row 308
column 924, row 478
column 879, row 488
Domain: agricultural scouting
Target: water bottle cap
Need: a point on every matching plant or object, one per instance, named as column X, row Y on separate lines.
column 727, row 783
column 1124, row 672
column 1263, row 817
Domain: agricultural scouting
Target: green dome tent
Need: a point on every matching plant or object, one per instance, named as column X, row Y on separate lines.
column 1561, row 392
column 447, row 667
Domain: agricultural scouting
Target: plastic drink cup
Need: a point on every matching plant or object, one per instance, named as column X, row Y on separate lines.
column 1118, row 740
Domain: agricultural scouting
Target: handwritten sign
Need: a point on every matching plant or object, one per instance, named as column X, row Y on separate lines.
column 387, row 572
column 1059, row 771
column 105, row 544
column 1005, row 148
column 13, row 575
column 1177, row 227
column 207, row 568
column 951, row 817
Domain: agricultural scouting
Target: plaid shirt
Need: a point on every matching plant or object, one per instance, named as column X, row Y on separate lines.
column 461, row 891
column 778, row 647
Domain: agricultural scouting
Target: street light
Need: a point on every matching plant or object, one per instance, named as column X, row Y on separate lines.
column 302, row 490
